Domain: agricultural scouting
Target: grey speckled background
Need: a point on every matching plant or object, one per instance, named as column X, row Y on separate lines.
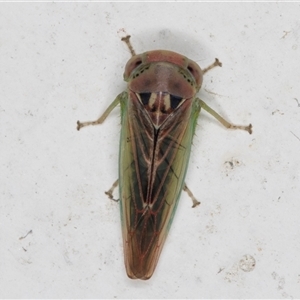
column 61, row 62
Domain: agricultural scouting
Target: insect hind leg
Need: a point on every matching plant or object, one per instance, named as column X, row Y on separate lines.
column 109, row 193
column 188, row 191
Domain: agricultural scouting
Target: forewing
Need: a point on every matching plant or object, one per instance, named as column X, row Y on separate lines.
column 153, row 165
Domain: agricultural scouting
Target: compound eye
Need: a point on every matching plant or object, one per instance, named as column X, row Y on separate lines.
column 136, row 63
column 192, row 70
column 196, row 72
column 132, row 65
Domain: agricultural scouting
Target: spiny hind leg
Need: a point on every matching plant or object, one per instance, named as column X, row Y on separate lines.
column 109, row 193
column 188, row 191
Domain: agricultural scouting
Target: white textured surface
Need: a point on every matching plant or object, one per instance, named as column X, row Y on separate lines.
column 61, row 62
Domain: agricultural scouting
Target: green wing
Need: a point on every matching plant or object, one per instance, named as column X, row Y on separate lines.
column 153, row 164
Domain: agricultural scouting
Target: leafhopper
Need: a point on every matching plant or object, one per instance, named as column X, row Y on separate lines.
column 159, row 112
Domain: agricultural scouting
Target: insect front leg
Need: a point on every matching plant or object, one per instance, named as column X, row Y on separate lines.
column 217, row 63
column 126, row 39
column 188, row 191
column 222, row 120
column 105, row 114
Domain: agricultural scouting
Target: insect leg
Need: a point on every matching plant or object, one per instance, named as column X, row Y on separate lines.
column 126, row 39
column 109, row 193
column 188, row 191
column 217, row 63
column 222, row 120
column 105, row 114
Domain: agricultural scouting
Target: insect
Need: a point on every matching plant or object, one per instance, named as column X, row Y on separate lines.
column 159, row 111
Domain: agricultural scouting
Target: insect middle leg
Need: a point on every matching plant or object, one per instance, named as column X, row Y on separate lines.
column 104, row 115
column 222, row 120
